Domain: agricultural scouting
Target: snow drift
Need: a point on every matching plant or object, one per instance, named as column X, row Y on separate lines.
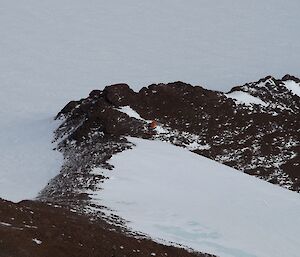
column 173, row 194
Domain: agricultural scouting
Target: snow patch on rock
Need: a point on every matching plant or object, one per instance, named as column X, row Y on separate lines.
column 130, row 112
column 293, row 86
column 241, row 97
column 37, row 241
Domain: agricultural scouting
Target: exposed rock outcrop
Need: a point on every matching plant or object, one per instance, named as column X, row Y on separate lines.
column 253, row 128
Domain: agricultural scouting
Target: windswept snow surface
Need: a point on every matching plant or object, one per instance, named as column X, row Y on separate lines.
column 58, row 50
column 173, row 194
column 241, row 97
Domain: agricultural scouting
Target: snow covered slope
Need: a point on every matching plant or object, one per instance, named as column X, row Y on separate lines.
column 27, row 159
column 171, row 193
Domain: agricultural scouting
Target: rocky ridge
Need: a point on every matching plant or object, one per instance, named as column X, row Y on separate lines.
column 253, row 128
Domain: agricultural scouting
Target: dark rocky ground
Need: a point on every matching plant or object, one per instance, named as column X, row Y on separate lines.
column 35, row 229
column 261, row 140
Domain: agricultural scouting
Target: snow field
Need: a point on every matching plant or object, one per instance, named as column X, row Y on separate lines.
column 170, row 193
